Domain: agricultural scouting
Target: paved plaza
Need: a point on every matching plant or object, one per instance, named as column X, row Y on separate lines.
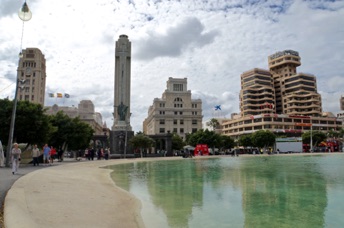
column 67, row 194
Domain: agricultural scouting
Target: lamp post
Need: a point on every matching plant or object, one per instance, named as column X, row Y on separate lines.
column 126, row 140
column 311, row 138
column 25, row 15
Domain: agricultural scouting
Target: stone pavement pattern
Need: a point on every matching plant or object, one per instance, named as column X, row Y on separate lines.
column 80, row 194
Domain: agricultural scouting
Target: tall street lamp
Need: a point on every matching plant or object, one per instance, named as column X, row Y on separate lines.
column 24, row 15
column 311, row 138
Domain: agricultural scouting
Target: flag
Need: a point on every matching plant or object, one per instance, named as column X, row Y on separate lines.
column 67, row 95
column 59, row 95
column 51, row 95
column 217, row 107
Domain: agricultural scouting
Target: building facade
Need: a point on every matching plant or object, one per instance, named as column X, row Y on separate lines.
column 85, row 111
column 340, row 115
column 32, row 76
column 296, row 93
column 257, row 94
column 279, row 100
column 175, row 111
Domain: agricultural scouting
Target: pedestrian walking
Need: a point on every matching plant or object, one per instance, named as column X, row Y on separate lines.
column 52, row 154
column 91, row 154
column 46, row 154
column 15, row 156
column 86, row 154
column 60, row 154
column 35, row 154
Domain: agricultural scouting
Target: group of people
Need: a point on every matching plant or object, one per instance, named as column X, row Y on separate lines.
column 90, row 153
column 49, row 154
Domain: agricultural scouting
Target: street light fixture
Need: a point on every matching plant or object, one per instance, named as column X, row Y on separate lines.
column 25, row 15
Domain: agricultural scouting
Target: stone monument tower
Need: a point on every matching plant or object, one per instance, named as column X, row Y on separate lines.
column 121, row 129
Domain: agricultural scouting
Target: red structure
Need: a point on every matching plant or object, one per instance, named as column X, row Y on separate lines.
column 201, row 149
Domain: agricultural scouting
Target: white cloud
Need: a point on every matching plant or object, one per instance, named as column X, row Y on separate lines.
column 209, row 42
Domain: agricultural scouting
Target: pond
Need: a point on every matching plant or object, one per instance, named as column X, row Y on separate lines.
column 250, row 191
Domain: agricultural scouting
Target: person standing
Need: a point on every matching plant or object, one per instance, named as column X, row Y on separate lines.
column 15, row 156
column 91, row 154
column 35, row 154
column 46, row 153
column 52, row 154
column 59, row 154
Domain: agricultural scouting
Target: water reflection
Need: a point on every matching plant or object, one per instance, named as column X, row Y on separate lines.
column 283, row 191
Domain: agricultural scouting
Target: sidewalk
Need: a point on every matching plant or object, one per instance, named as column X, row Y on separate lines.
column 74, row 194
column 7, row 178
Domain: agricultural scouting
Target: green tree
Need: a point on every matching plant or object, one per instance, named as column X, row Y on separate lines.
column 141, row 141
column 177, row 142
column 213, row 123
column 210, row 138
column 246, row 140
column 333, row 134
column 317, row 137
column 263, row 139
column 226, row 142
column 69, row 133
column 31, row 124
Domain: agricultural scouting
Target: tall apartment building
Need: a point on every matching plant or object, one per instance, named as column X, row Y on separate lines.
column 32, row 76
column 175, row 111
column 296, row 93
column 257, row 94
column 279, row 100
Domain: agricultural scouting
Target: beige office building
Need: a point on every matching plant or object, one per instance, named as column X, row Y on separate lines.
column 85, row 111
column 175, row 111
column 279, row 100
column 32, row 76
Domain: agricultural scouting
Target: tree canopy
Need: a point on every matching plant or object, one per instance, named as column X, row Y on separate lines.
column 32, row 126
column 263, row 138
column 317, row 137
column 213, row 123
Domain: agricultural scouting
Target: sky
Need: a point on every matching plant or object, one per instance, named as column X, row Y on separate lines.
column 209, row 42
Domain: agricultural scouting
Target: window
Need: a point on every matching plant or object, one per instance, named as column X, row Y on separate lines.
column 194, row 122
column 175, row 122
column 162, row 112
column 181, row 130
column 177, row 87
column 175, row 130
column 180, row 113
column 162, row 121
column 162, row 130
column 181, row 122
column 175, row 113
column 194, row 130
column 178, row 102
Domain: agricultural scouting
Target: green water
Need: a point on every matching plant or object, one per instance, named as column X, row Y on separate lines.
column 258, row 191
